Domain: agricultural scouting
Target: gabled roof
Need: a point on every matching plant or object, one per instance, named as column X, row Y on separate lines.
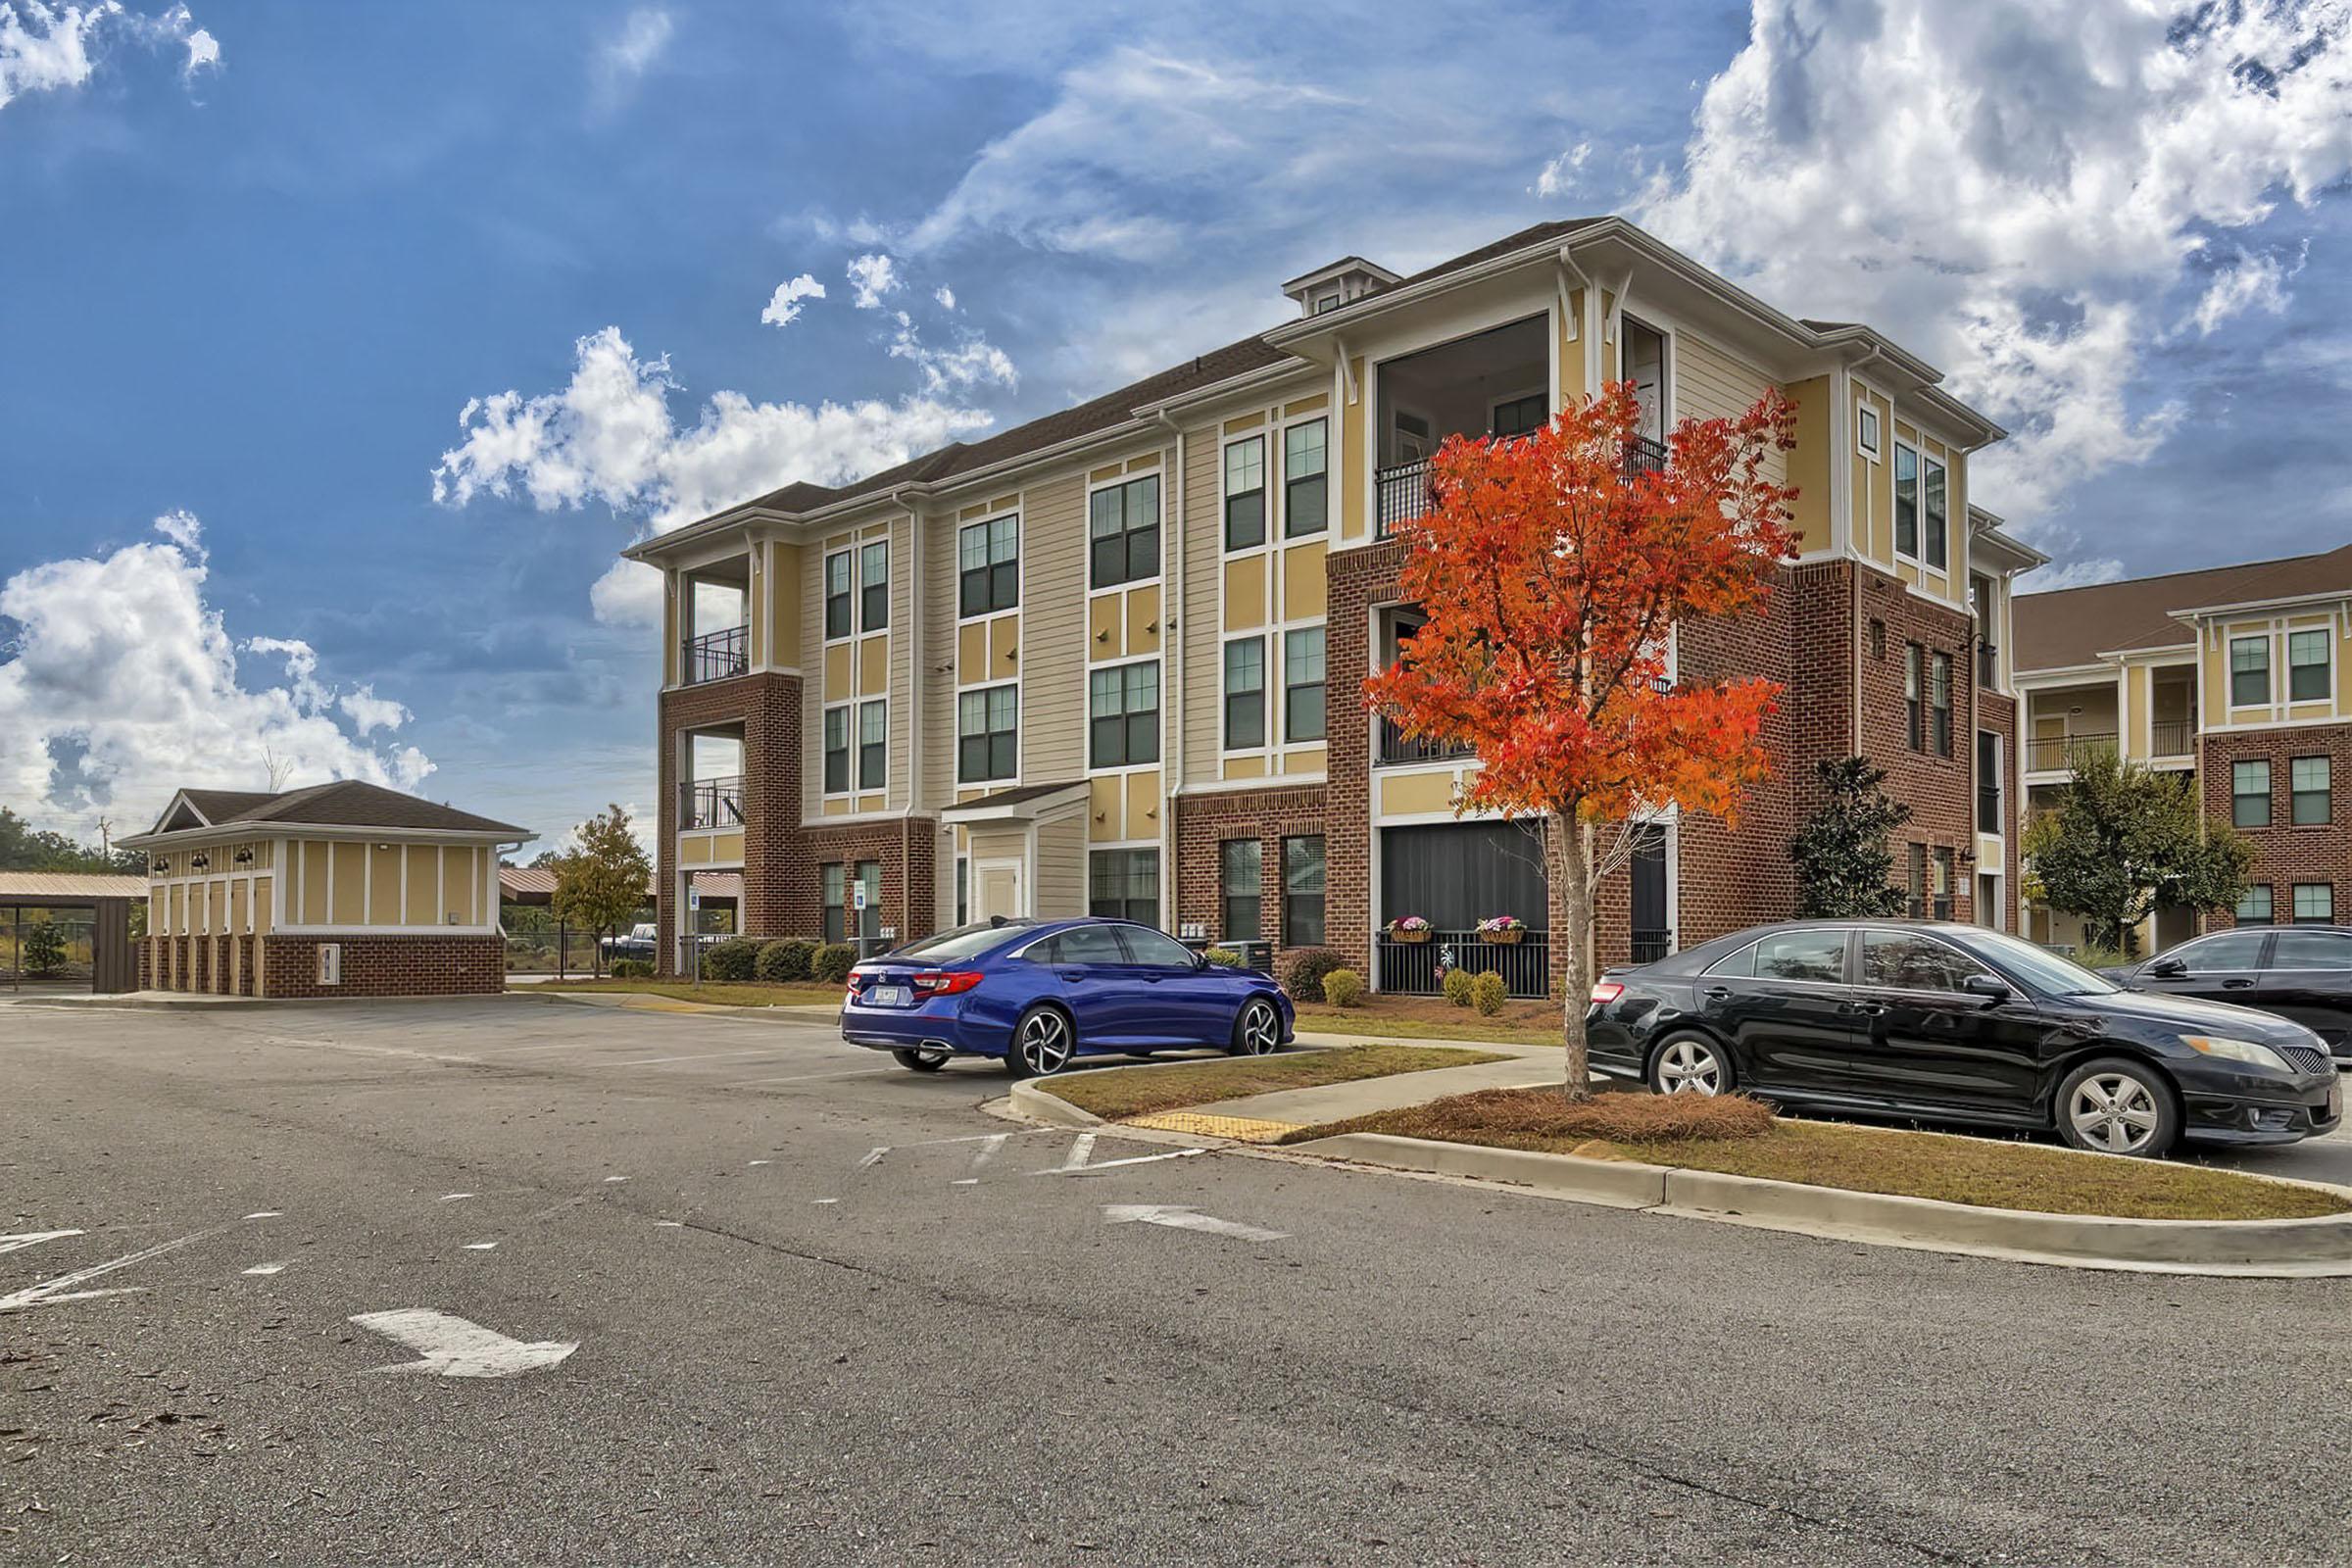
column 345, row 802
column 2068, row 627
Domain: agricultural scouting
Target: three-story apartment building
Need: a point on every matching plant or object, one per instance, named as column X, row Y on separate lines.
column 1111, row 659
column 2230, row 677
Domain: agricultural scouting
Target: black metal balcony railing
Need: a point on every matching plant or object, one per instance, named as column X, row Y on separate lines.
column 1988, row 665
column 1644, row 455
column 1402, row 491
column 1417, row 968
column 1396, row 746
column 2051, row 753
column 2171, row 737
column 710, row 803
column 716, row 654
column 1989, row 808
column 1649, row 946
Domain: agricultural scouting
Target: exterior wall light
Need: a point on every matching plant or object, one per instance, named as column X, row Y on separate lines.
column 199, row 862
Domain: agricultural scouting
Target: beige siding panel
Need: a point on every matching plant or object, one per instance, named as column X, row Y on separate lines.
column 874, row 664
column 1055, row 632
column 1195, row 682
column 1414, row 794
column 1245, row 767
column 1060, row 870
column 1309, row 405
column 1105, row 626
column 1351, row 460
column 726, row 847
column 694, row 850
column 1143, row 804
column 383, row 886
column 1143, row 619
column 310, row 907
column 942, row 641
column 785, row 599
column 1104, row 820
column 1305, row 759
column 1710, row 384
column 907, row 629
column 239, row 908
column 1304, row 585
column 1003, row 648
column 218, row 902
column 837, row 674
column 159, row 906
column 425, row 891
column 971, row 654
column 351, row 872
column 755, row 604
column 263, row 895
column 1809, row 464
column 1245, row 593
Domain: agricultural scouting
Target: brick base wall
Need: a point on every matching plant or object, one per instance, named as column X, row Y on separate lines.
column 2284, row 853
column 388, row 966
column 1204, row 822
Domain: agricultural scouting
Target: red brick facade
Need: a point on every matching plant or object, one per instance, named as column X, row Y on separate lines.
column 1205, row 821
column 2285, row 855
column 437, row 964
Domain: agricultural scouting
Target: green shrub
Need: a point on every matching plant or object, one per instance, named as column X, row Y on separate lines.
column 783, row 963
column 1344, row 988
column 1457, row 986
column 733, row 959
column 1223, row 957
column 1302, row 971
column 1487, row 994
column 832, row 962
column 631, row 969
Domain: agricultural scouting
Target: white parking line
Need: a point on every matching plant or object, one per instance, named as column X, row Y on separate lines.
column 49, row 1292
column 25, row 1238
column 810, row 1077
column 707, row 1056
column 265, row 1268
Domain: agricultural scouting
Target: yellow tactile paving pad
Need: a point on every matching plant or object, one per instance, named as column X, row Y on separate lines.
column 1241, row 1129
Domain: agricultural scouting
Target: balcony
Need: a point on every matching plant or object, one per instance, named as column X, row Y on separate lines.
column 1396, row 749
column 1401, row 492
column 2058, row 754
column 1417, row 968
column 2172, row 737
column 716, row 655
column 1649, row 946
column 710, row 803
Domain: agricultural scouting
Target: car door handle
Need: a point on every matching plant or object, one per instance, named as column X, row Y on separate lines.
column 1071, row 974
column 2237, row 985
column 1716, row 992
column 1870, row 1009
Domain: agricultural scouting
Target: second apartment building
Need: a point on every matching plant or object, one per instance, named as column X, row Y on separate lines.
column 1111, row 661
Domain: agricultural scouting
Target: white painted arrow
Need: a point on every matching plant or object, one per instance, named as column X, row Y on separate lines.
column 1178, row 1217
column 453, row 1347
column 23, row 1239
column 56, row 1291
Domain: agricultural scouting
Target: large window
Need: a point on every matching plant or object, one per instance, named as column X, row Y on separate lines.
column 1302, row 891
column 987, row 742
column 2306, row 666
column 1244, row 693
column 2254, row 905
column 1245, row 493
column 833, row 879
column 838, row 604
column 873, row 586
column 1241, row 876
column 2315, row 903
column 2249, row 670
column 1123, row 715
column 988, row 564
column 1914, row 710
column 1305, row 483
column 1123, row 885
column 2307, row 777
column 2250, row 793
column 1302, row 685
column 1906, row 500
column 1940, row 698
column 1122, row 530
column 874, row 745
column 837, row 750
column 1934, row 508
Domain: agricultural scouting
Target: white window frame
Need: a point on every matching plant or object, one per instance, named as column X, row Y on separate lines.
column 1873, row 445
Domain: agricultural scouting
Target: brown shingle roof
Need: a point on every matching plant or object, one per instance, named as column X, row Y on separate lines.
column 345, row 802
column 2071, row 626
column 219, row 805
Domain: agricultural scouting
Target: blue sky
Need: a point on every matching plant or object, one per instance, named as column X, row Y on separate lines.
column 266, row 271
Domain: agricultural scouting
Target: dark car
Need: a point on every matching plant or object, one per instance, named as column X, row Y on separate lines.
column 1957, row 1023
column 1040, row 992
column 2302, row 972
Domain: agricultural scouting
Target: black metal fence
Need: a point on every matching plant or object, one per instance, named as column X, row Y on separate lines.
column 2049, row 754
column 1396, row 747
column 1649, row 946
column 710, row 803
column 1418, row 968
column 716, row 654
column 42, row 946
column 2171, row 737
column 1401, row 492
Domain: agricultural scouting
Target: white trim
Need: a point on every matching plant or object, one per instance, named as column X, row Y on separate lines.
column 413, row 932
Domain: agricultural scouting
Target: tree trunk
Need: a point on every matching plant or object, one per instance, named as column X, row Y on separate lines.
column 1576, row 1070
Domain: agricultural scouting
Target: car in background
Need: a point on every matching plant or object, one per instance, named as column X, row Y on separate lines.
column 1946, row 1022
column 1038, row 994
column 644, row 939
column 2302, row 972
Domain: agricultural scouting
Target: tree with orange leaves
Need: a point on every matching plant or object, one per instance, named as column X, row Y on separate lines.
column 1553, row 568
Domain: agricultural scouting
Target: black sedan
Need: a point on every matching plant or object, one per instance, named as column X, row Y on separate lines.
column 2302, row 972
column 1957, row 1023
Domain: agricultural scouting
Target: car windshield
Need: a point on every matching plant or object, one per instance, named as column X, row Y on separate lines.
column 964, row 942
column 2045, row 972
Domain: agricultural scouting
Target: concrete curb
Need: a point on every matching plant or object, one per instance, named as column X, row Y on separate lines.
column 2288, row 1248
column 1033, row 1103
column 148, row 1001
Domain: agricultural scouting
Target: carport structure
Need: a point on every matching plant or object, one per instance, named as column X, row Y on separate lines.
column 30, row 900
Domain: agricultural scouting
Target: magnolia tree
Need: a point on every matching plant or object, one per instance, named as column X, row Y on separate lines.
column 1552, row 569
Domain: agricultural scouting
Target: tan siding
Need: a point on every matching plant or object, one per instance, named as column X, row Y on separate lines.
column 941, row 642
column 424, row 863
column 1710, row 384
column 907, row 630
column 383, row 886
column 1061, row 869
column 311, row 907
column 1196, row 683
column 1054, row 640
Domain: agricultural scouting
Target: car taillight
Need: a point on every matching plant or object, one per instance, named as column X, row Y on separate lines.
column 1605, row 992
column 946, row 982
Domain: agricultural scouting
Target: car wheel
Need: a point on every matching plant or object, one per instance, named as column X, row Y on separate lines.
column 919, row 1060
column 2115, row 1107
column 1689, row 1064
column 1257, row 1032
column 1042, row 1044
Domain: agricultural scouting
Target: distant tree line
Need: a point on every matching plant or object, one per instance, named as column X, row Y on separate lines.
column 25, row 848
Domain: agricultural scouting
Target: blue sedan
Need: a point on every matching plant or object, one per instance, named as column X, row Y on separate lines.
column 1038, row 992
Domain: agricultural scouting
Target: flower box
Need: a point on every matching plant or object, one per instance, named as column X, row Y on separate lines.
column 1408, row 928
column 1508, row 936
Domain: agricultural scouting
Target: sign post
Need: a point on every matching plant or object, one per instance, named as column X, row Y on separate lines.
column 694, row 927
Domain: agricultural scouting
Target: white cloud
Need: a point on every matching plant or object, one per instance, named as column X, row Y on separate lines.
column 204, row 52
column 786, row 303
column 2071, row 574
column 49, row 46
column 622, row 60
column 946, row 297
column 2013, row 188
column 370, row 712
column 872, row 276
column 120, row 684
column 2251, row 282
column 608, row 436
column 972, row 361
column 1559, row 176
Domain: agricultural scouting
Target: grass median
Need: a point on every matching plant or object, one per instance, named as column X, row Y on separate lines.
column 1520, row 1023
column 717, row 994
column 1989, row 1173
column 1114, row 1093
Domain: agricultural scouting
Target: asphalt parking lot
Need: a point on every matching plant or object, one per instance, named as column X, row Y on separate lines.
column 533, row 1280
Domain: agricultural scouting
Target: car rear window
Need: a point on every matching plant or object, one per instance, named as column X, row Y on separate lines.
column 1080, row 944
column 1818, row 956
column 964, row 942
column 2313, row 950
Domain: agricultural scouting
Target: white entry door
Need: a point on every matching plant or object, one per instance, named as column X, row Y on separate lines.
column 1000, row 890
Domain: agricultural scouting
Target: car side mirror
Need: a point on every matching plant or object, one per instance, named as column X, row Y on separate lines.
column 1989, row 988
column 2166, row 968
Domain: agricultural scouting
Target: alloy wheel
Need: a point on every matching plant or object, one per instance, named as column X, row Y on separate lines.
column 1262, row 1032
column 1689, row 1066
column 2114, row 1112
column 1045, row 1045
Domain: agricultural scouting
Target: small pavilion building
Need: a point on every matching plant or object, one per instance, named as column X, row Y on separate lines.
column 346, row 889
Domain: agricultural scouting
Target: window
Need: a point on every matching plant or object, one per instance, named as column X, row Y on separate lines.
column 1915, row 717
column 988, row 566
column 2315, row 903
column 1123, row 885
column 1941, row 887
column 1988, row 782
column 1866, row 430
column 1934, row 503
column 837, row 595
column 1245, row 694
column 1123, row 715
column 2250, row 793
column 1241, row 874
column 1327, row 300
column 1304, row 484
column 2254, row 905
column 2311, row 950
column 2306, row 778
column 869, row 882
column 873, row 586
column 1155, row 948
column 1302, row 685
column 2232, row 950
column 1940, row 697
column 833, row 879
column 1816, row 956
column 1245, row 493
column 986, row 739
column 874, row 745
column 1878, row 639
column 837, row 750
column 1084, row 944
column 1912, row 962
column 1519, row 416
column 2306, row 666
column 1302, row 892
column 1122, row 530
column 2249, row 670
column 1906, row 500
column 1915, row 905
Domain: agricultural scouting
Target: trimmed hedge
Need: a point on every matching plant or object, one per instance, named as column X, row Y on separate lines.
column 1487, row 993
column 1344, row 988
column 1302, row 971
column 733, row 959
column 831, row 962
column 630, row 969
column 1457, row 986
column 783, row 963
column 1223, row 957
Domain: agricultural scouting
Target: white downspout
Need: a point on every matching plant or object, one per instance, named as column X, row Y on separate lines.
column 1171, row 620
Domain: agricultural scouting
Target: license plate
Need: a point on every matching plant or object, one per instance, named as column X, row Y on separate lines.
column 888, row 997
